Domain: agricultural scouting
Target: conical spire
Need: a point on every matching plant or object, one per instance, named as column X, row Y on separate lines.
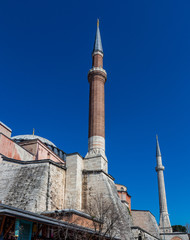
column 98, row 42
column 158, row 153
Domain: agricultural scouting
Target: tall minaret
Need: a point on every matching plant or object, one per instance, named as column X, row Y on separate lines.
column 165, row 226
column 97, row 77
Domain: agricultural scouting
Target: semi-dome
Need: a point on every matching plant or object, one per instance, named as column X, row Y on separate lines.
column 20, row 138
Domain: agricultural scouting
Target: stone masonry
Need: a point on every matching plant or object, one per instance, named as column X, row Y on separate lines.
column 35, row 186
column 146, row 221
column 98, row 183
column 73, row 194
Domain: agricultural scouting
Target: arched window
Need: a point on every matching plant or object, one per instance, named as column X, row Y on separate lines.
column 176, row 238
column 139, row 237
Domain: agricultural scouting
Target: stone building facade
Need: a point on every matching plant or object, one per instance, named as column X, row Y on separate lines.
column 31, row 183
column 37, row 176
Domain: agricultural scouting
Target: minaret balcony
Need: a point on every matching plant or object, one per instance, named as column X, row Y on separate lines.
column 97, row 71
column 160, row 168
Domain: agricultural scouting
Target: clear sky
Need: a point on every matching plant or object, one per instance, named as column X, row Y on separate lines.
column 45, row 55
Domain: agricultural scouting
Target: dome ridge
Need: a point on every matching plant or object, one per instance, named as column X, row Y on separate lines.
column 32, row 137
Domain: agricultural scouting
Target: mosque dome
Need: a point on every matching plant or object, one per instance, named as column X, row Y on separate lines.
column 20, row 138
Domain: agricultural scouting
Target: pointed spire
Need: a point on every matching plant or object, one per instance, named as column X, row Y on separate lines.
column 158, row 153
column 98, row 42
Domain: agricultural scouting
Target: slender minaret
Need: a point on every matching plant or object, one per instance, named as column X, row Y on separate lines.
column 97, row 77
column 165, row 226
column 95, row 180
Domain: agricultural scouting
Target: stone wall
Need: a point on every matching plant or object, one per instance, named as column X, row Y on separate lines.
column 140, row 233
column 95, row 161
column 146, row 221
column 11, row 149
column 5, row 130
column 99, row 183
column 40, row 150
column 56, row 187
column 73, row 196
column 35, row 186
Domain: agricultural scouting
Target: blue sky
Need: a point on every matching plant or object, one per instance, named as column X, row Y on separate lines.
column 45, row 54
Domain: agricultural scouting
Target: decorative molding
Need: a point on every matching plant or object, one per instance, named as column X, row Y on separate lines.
column 95, row 153
column 33, row 162
column 97, row 53
column 94, row 69
column 97, row 172
column 161, row 168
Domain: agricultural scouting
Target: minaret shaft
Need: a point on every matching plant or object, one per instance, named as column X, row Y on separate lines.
column 96, row 108
column 164, row 224
column 97, row 60
column 96, row 78
column 162, row 192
